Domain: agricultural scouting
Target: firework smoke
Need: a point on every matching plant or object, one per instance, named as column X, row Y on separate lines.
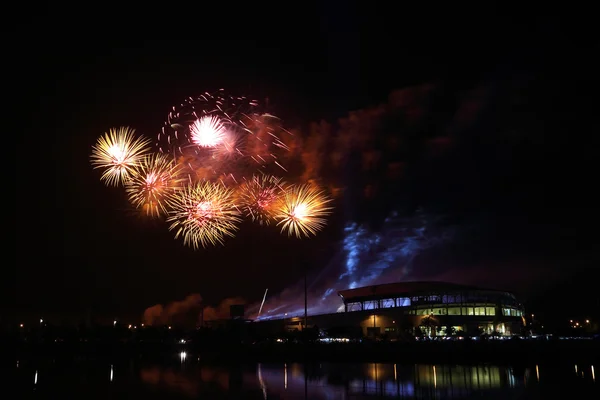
column 186, row 310
column 222, row 311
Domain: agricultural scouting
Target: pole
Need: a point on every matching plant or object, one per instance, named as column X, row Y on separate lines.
column 305, row 301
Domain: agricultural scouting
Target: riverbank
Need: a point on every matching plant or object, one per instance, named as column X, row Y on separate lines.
column 498, row 351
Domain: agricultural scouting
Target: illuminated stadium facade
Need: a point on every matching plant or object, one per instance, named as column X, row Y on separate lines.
column 422, row 308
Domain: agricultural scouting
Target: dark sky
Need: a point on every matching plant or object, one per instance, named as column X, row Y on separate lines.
column 510, row 109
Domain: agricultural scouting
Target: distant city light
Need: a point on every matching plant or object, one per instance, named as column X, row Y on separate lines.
column 115, row 322
column 20, row 325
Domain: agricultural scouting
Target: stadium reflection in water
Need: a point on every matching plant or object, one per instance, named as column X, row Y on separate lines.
column 356, row 381
column 185, row 377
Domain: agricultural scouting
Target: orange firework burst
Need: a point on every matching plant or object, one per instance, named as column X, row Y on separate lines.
column 203, row 213
column 259, row 196
column 208, row 131
column 118, row 152
column 152, row 184
column 302, row 210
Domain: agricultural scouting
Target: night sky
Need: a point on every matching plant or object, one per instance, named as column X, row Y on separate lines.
column 495, row 137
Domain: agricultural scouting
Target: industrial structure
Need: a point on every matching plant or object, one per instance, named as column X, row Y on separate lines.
column 419, row 308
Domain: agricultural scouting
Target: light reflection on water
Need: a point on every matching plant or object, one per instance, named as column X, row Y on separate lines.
column 185, row 377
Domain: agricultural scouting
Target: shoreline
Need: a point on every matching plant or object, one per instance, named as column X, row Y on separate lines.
column 422, row 352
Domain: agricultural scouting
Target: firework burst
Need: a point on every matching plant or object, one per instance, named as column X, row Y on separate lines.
column 153, row 183
column 118, row 152
column 258, row 197
column 203, row 214
column 223, row 134
column 208, row 131
column 302, row 210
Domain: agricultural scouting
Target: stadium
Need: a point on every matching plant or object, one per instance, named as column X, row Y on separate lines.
column 418, row 308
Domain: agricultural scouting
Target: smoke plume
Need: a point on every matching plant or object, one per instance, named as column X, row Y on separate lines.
column 222, row 311
column 184, row 312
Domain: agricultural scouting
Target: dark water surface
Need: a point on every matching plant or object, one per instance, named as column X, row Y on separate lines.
column 186, row 377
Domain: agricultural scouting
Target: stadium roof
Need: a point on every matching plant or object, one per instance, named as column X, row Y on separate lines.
column 400, row 288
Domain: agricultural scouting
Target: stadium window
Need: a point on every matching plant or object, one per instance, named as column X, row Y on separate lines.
column 388, row 303
column 479, row 310
column 370, row 305
column 490, row 311
column 506, row 312
column 454, row 311
column 403, row 301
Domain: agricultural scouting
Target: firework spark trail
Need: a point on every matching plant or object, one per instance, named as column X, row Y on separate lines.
column 203, row 214
column 118, row 152
column 364, row 258
column 263, row 301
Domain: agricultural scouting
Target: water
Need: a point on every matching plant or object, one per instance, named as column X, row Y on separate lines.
column 185, row 377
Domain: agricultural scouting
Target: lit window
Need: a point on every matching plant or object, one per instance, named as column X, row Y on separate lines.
column 403, row 301
column 370, row 305
column 388, row 303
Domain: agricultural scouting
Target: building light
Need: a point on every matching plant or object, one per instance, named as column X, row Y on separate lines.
column 587, row 321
